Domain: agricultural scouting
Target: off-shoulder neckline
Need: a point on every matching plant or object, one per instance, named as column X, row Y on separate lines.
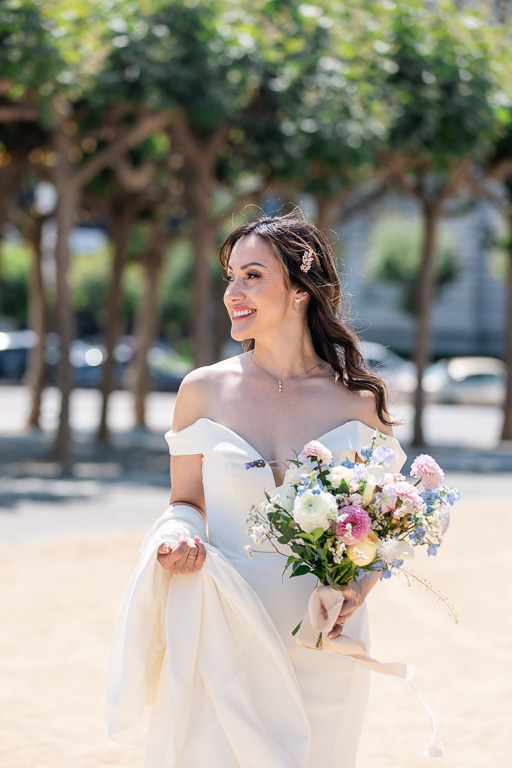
column 253, row 449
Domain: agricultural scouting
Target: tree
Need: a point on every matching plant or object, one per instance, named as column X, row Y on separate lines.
column 445, row 75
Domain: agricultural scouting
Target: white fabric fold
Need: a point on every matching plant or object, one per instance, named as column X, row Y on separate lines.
column 314, row 623
column 200, row 651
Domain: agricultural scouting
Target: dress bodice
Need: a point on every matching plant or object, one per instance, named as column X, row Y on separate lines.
column 230, row 488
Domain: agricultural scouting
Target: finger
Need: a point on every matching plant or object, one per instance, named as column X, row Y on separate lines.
column 337, row 627
column 201, row 555
column 188, row 565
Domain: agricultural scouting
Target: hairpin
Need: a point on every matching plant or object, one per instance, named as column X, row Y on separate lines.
column 307, row 260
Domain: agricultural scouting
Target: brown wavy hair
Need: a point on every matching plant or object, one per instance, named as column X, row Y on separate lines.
column 333, row 339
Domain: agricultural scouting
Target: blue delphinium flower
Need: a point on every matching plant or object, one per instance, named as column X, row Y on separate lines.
column 366, row 451
column 417, row 536
column 432, row 550
column 386, row 574
column 347, row 463
column 430, row 495
column 453, row 495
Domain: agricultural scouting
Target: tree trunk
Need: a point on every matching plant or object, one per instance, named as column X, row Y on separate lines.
column 506, row 433
column 204, row 241
column 121, row 225
column 68, row 196
column 326, row 210
column 424, row 302
column 37, row 309
column 146, row 326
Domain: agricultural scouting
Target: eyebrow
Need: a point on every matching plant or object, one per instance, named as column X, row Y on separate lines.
column 246, row 266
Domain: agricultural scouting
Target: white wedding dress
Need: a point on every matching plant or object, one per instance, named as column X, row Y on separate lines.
column 334, row 689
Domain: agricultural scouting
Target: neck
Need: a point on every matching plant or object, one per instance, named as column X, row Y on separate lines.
column 284, row 358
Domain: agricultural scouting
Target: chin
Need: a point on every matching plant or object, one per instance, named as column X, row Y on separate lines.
column 239, row 336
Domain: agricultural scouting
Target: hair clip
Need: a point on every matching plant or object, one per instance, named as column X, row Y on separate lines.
column 257, row 463
column 307, row 260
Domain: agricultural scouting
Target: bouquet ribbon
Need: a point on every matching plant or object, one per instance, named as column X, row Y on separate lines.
column 314, row 623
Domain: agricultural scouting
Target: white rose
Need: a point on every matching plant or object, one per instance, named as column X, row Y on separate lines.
column 314, row 510
column 294, row 472
column 339, row 473
column 284, row 496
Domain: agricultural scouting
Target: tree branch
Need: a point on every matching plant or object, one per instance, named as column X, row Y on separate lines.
column 147, row 125
column 18, row 113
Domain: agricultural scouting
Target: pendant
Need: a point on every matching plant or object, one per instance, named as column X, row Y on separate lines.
column 280, row 385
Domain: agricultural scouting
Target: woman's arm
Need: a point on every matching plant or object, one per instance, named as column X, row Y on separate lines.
column 186, row 477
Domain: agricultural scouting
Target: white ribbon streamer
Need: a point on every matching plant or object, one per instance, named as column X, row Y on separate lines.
column 314, row 622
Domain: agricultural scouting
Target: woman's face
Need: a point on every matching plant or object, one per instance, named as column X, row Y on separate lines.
column 257, row 297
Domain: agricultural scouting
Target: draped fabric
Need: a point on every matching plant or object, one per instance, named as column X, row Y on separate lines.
column 201, row 650
column 209, row 658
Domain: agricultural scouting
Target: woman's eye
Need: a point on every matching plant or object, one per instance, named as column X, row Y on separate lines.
column 230, row 278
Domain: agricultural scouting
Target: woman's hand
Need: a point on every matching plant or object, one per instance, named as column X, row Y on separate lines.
column 355, row 593
column 187, row 557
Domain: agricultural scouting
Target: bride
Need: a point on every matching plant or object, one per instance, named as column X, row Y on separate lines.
column 300, row 377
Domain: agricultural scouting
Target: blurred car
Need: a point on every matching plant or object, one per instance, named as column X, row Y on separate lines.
column 15, row 348
column 466, row 381
column 167, row 368
column 399, row 375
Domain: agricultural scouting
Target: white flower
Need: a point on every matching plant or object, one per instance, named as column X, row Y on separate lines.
column 313, row 509
column 284, row 496
column 339, row 473
column 338, row 551
column 374, row 474
column 259, row 533
column 248, row 550
column 392, row 550
column 294, row 472
column 436, row 524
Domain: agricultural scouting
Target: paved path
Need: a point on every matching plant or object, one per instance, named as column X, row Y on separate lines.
column 69, row 545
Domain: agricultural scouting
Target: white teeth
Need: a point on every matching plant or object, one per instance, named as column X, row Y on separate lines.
column 243, row 312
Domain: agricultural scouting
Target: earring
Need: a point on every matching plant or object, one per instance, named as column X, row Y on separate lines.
column 299, row 299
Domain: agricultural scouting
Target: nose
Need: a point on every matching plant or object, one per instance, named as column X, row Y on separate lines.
column 234, row 290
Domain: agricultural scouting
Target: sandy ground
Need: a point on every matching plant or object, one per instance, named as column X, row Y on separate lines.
column 60, row 597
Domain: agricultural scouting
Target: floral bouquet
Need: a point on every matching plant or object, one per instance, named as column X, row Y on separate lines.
column 342, row 520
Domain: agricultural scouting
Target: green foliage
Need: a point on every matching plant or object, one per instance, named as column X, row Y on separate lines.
column 15, row 260
column 448, row 81
column 29, row 57
column 176, row 292
column 397, row 246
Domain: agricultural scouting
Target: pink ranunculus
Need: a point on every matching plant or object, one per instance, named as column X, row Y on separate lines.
column 318, row 450
column 353, row 525
column 428, row 470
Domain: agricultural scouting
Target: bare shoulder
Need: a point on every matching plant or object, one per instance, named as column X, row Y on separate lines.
column 366, row 407
column 199, row 389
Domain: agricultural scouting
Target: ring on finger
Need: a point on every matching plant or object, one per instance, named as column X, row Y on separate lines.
column 192, row 556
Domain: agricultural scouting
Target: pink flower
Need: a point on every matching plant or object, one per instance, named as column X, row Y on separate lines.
column 408, row 495
column 317, row 450
column 428, row 470
column 353, row 525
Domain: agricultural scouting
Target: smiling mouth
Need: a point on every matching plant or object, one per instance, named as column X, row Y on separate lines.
column 240, row 313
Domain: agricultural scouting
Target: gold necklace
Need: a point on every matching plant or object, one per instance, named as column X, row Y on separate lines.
column 287, row 378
